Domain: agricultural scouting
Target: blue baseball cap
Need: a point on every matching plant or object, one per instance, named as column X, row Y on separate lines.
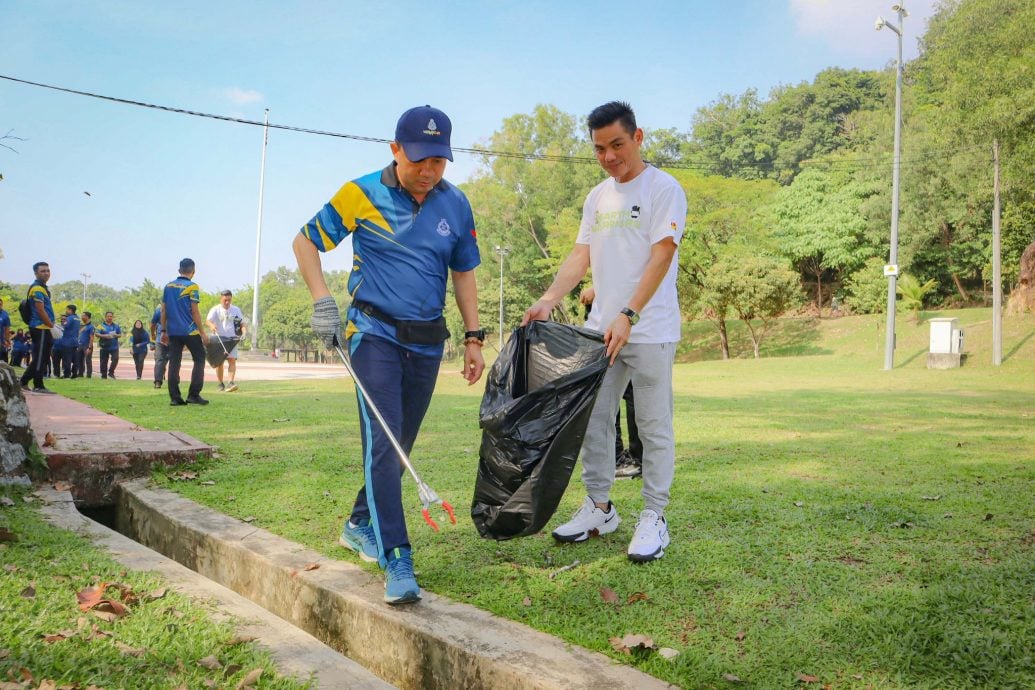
column 423, row 132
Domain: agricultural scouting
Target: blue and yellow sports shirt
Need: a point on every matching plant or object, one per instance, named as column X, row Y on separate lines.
column 70, row 336
column 86, row 332
column 39, row 293
column 402, row 251
column 156, row 320
column 109, row 344
column 177, row 298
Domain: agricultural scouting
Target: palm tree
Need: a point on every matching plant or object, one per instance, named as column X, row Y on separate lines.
column 913, row 293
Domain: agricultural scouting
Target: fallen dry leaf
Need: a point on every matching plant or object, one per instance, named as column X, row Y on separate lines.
column 4, row 653
column 527, row 601
column 62, row 486
column 668, row 653
column 207, row 482
column 60, row 635
column 49, row 440
column 8, row 685
column 931, row 498
column 240, row 639
column 210, row 662
column 608, row 595
column 988, row 516
column 231, row 670
column 250, row 518
column 312, row 566
column 11, row 567
column 6, row 501
column 627, row 644
column 29, row 592
column 636, row 596
column 129, row 651
column 806, row 678
column 47, row 684
column 7, row 535
column 739, row 637
column 157, row 594
column 251, row 679
column 730, row 678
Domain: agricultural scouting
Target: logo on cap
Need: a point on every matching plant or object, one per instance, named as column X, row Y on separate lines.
column 432, row 128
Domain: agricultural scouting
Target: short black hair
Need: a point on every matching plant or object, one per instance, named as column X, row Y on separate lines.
column 71, row 307
column 186, row 265
column 226, row 293
column 36, row 266
column 86, row 313
column 109, row 312
column 615, row 111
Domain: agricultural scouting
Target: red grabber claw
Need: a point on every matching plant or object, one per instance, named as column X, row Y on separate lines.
column 449, row 509
column 427, row 519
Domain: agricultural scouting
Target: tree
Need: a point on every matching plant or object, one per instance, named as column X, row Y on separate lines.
column 723, row 218
column 818, row 224
column 757, row 288
column 913, row 293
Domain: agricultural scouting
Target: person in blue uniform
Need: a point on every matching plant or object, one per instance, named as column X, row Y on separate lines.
column 69, row 343
column 182, row 327
column 410, row 229
column 40, row 325
column 5, row 334
column 109, row 333
column 84, row 353
column 161, row 351
column 141, row 342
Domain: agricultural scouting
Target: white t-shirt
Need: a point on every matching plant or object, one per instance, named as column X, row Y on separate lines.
column 620, row 223
column 224, row 319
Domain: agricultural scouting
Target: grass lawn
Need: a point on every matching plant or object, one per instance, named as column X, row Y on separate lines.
column 832, row 523
column 163, row 641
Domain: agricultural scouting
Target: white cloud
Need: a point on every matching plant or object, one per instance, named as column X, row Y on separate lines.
column 240, row 96
column 846, row 26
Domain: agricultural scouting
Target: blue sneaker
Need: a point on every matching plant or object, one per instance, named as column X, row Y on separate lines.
column 361, row 539
column 400, row 582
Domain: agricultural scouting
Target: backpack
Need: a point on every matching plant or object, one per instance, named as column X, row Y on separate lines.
column 25, row 310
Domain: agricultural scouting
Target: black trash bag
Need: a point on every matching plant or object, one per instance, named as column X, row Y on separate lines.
column 219, row 348
column 537, row 402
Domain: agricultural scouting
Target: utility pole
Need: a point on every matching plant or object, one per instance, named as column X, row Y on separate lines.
column 258, row 234
column 502, row 251
column 997, row 265
column 86, row 279
column 891, row 270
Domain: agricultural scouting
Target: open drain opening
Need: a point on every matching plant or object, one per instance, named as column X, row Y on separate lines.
column 434, row 644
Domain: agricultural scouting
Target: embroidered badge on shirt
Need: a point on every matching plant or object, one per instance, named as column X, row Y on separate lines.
column 443, row 228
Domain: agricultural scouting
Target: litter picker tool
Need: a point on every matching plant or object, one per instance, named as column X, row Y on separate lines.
column 426, row 493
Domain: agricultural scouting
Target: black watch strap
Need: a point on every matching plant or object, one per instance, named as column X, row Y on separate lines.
column 478, row 335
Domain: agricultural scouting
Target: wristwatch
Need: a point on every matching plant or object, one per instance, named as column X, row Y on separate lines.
column 475, row 336
column 631, row 315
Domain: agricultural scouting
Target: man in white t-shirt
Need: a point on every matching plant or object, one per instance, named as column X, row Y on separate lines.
column 631, row 226
column 226, row 320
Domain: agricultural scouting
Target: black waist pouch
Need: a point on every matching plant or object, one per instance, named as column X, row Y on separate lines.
column 421, row 332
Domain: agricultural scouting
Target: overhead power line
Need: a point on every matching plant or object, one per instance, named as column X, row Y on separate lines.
column 766, row 166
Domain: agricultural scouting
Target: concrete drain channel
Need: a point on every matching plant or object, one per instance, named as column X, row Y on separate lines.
column 253, row 574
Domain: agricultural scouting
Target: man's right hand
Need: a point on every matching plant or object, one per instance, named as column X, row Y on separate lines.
column 540, row 311
column 326, row 322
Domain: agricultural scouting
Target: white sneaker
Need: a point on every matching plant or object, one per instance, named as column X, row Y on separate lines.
column 588, row 521
column 650, row 539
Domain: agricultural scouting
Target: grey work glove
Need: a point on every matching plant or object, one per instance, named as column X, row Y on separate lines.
column 326, row 322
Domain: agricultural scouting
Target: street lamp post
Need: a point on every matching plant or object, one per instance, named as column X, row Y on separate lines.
column 891, row 270
column 502, row 251
column 258, row 234
column 86, row 279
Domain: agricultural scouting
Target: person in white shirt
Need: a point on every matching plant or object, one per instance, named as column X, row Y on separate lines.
column 226, row 320
column 631, row 226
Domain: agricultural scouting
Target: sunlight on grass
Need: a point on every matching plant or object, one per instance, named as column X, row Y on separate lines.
column 872, row 528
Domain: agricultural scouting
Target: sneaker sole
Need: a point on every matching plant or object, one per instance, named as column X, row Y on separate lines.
column 358, row 549
column 408, row 598
column 231, row 389
column 647, row 558
column 583, row 536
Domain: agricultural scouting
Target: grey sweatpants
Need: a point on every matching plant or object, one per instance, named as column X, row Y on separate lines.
column 649, row 367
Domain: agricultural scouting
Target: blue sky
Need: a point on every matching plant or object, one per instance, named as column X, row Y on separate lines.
column 163, row 186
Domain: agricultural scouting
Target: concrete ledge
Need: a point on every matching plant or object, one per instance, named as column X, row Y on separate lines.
column 93, row 464
column 434, row 644
column 295, row 652
column 944, row 360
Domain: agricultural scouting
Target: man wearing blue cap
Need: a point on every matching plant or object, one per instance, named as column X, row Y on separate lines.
column 410, row 229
